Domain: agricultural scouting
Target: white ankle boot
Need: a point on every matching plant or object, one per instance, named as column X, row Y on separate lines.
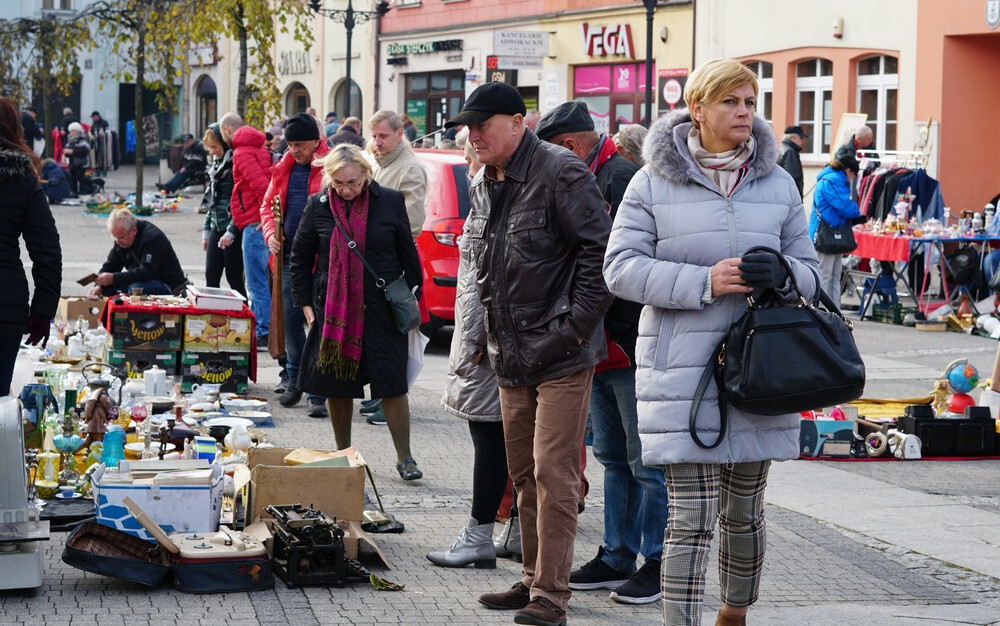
column 508, row 542
column 474, row 545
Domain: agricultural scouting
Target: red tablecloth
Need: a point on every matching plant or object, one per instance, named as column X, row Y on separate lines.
column 882, row 247
column 153, row 307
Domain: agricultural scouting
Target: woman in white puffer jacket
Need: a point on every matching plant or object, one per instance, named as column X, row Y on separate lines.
column 710, row 190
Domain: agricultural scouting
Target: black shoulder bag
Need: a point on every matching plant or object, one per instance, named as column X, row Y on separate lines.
column 834, row 240
column 778, row 359
column 402, row 302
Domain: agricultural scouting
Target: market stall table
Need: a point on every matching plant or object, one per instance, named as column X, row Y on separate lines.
column 898, row 248
column 131, row 304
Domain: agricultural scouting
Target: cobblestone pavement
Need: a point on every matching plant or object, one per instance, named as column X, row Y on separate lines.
column 815, row 572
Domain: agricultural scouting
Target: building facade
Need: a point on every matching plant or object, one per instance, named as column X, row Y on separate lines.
column 435, row 52
column 911, row 68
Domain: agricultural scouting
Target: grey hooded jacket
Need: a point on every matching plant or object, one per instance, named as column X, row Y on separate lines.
column 672, row 227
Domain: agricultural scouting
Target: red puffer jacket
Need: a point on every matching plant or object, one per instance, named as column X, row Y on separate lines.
column 279, row 187
column 251, row 175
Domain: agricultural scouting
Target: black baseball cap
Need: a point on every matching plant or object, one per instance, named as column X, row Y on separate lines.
column 486, row 101
column 795, row 130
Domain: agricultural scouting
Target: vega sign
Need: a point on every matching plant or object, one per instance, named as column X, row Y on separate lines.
column 604, row 40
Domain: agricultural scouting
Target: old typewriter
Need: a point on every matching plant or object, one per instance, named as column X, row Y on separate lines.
column 309, row 548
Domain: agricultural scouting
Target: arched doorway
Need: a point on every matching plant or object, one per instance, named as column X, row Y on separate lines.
column 297, row 99
column 340, row 100
column 207, row 107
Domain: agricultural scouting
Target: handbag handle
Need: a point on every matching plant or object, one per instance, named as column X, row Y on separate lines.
column 379, row 281
column 716, row 364
column 712, row 370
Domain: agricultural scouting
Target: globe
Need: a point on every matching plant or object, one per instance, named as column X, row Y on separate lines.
column 962, row 377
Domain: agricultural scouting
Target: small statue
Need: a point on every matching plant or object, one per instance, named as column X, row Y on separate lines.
column 97, row 413
column 940, row 402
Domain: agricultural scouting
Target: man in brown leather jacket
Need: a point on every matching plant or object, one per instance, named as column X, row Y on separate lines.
column 539, row 228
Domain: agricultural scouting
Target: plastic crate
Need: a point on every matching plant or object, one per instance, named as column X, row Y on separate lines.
column 891, row 313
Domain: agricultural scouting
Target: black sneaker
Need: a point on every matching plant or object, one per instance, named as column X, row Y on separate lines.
column 262, row 342
column 596, row 574
column 291, row 397
column 317, row 408
column 642, row 588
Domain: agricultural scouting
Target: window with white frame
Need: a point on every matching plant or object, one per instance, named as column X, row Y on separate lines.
column 878, row 86
column 765, row 86
column 814, row 104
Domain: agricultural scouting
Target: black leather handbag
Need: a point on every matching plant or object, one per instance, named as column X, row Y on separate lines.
column 834, row 240
column 778, row 359
column 402, row 302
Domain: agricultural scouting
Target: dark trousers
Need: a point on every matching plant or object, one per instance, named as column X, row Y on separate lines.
column 229, row 260
column 489, row 470
column 8, row 355
column 177, row 181
column 78, row 182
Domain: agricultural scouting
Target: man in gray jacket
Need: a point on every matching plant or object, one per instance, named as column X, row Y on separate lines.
column 538, row 228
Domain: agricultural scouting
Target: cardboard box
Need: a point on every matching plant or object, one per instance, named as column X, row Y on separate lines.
column 146, row 331
column 176, row 508
column 336, row 491
column 213, row 332
column 231, row 370
column 70, row 308
column 135, row 362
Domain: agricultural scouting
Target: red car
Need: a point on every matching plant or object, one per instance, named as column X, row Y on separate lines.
column 447, row 207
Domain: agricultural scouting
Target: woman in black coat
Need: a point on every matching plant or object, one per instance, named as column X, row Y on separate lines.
column 353, row 339
column 24, row 212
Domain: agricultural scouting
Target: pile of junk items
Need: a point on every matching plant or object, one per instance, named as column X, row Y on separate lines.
column 948, row 424
column 151, row 490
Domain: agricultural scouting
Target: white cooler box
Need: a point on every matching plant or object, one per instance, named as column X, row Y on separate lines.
column 176, row 508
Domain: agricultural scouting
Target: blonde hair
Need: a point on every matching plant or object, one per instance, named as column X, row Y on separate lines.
column 341, row 156
column 209, row 140
column 712, row 80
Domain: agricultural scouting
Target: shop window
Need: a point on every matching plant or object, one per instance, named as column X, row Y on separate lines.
column 878, row 84
column 765, row 86
column 297, row 99
column 814, row 104
column 417, row 82
column 615, row 94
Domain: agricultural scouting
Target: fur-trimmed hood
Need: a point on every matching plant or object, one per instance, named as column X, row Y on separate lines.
column 666, row 151
column 14, row 164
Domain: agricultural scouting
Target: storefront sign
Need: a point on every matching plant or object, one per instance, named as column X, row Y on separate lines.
column 424, row 47
column 292, row 62
column 520, row 43
column 604, row 40
column 993, row 13
column 671, row 89
column 416, row 110
column 513, row 63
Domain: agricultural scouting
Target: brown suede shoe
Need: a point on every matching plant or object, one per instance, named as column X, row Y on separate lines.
column 514, row 598
column 726, row 618
column 541, row 612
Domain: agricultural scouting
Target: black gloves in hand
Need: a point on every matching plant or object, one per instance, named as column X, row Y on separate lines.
column 38, row 330
column 762, row 270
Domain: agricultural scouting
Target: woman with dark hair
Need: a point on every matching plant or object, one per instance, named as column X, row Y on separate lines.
column 832, row 202
column 24, row 213
column 220, row 238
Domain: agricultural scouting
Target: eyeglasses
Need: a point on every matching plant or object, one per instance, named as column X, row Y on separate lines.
column 351, row 184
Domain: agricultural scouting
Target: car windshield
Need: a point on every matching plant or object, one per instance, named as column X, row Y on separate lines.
column 461, row 175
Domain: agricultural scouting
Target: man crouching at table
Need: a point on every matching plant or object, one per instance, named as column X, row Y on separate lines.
column 142, row 257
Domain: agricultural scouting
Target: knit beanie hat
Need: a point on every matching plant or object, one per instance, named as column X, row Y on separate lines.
column 301, row 127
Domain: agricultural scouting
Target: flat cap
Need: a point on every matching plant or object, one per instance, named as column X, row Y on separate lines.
column 568, row 117
column 487, row 100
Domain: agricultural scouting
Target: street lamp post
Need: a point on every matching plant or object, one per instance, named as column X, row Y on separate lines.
column 349, row 18
column 650, row 8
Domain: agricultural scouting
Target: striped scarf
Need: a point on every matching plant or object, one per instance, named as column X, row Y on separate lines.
column 725, row 169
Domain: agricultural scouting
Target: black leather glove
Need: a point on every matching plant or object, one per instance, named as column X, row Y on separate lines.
column 762, row 270
column 38, row 330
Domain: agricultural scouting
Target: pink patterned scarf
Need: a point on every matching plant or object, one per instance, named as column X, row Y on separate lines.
column 343, row 313
column 725, row 169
